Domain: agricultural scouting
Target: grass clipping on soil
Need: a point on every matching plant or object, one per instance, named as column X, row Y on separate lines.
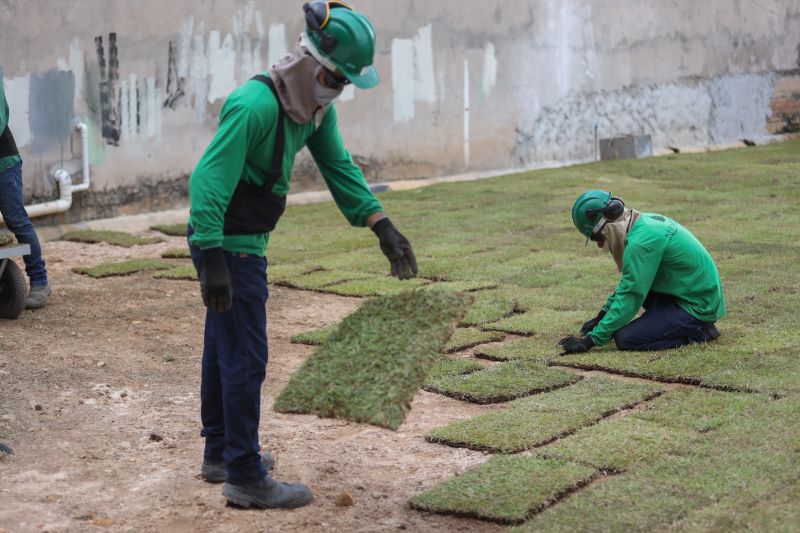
column 372, row 365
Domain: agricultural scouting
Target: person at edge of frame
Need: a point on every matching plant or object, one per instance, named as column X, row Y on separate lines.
column 12, row 208
column 664, row 269
column 237, row 194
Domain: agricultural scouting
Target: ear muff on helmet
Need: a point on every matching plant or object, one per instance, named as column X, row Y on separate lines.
column 612, row 211
column 317, row 16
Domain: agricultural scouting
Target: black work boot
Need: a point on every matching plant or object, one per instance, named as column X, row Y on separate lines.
column 213, row 472
column 266, row 493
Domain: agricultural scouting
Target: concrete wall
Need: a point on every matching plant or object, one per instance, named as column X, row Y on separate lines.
column 468, row 85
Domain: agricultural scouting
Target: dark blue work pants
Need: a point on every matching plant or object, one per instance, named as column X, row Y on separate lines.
column 16, row 219
column 662, row 326
column 234, row 367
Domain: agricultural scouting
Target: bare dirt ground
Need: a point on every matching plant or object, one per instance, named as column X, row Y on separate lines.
column 99, row 397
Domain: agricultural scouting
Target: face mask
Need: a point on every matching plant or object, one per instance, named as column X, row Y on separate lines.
column 324, row 95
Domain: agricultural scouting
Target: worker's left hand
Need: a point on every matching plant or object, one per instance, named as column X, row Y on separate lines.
column 573, row 344
column 396, row 248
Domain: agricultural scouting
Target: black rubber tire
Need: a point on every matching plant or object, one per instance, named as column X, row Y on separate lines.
column 13, row 291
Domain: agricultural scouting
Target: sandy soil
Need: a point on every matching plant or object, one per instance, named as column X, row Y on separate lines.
column 99, row 397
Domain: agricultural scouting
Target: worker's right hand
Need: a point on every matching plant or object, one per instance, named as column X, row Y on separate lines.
column 396, row 248
column 215, row 280
column 589, row 325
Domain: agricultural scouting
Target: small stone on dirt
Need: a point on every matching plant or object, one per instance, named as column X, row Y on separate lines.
column 345, row 499
column 155, row 437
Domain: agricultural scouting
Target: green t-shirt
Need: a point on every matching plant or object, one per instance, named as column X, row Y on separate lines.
column 662, row 256
column 9, row 161
column 242, row 149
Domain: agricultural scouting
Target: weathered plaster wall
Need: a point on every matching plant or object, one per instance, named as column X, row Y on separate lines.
column 467, row 84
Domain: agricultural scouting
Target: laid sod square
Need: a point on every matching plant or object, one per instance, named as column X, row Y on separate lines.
column 448, row 367
column 117, row 238
column 322, row 278
column 376, row 360
column 617, row 444
column 510, row 351
column 464, row 338
column 537, row 321
column 173, row 230
column 183, row 272
column 123, row 268
column 284, row 272
column 507, row 489
column 490, row 306
column 315, row 337
column 177, row 253
column 502, row 383
column 538, row 420
column 374, row 286
column 464, row 286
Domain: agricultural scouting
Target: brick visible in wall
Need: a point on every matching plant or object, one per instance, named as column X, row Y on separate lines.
column 785, row 106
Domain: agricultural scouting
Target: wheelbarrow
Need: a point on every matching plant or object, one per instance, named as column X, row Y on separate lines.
column 13, row 289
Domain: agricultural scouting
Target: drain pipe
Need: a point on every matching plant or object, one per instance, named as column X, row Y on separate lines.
column 65, row 186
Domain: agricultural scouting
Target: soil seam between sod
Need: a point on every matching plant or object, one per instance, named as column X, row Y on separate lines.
column 550, row 440
column 466, row 397
column 693, row 382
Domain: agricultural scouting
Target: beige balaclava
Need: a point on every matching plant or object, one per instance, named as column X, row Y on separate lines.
column 615, row 232
column 295, row 78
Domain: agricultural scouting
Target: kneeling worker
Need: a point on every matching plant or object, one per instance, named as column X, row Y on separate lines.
column 664, row 269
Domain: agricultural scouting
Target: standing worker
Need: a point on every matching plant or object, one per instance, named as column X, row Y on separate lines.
column 12, row 208
column 664, row 269
column 238, row 193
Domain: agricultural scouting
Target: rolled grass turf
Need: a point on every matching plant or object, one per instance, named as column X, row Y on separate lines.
column 116, row 238
column 123, row 268
column 173, row 230
column 381, row 286
column 538, row 420
column 177, row 253
column 502, row 383
column 506, row 489
column 377, row 359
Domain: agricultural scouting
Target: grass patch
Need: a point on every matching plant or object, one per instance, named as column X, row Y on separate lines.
column 464, row 338
column 374, row 286
column 123, row 268
column 512, row 351
column 5, row 239
column 501, row 383
column 315, row 337
column 538, row 420
column 372, row 365
column 173, row 230
column 505, row 489
column 464, row 286
column 117, row 238
column 538, row 321
column 321, row 278
column 183, row 272
column 447, row 367
column 177, row 253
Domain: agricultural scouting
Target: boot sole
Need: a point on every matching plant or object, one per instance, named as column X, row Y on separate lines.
column 240, row 499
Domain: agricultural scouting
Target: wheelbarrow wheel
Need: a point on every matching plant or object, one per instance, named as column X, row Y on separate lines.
column 13, row 291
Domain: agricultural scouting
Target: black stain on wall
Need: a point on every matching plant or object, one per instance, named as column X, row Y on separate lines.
column 51, row 99
column 109, row 92
column 174, row 82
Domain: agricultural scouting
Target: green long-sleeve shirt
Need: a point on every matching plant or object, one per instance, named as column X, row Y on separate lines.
column 662, row 256
column 10, row 161
column 242, row 149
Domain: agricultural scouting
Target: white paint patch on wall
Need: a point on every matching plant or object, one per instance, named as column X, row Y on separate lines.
column 184, row 46
column 221, row 66
column 125, row 132
column 466, row 113
column 424, row 79
column 403, row 79
column 17, row 96
column 198, row 71
column 277, row 43
column 489, row 70
column 152, row 103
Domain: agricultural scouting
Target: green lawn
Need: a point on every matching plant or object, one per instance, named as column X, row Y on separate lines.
column 688, row 460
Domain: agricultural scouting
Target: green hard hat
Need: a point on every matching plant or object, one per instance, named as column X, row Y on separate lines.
column 595, row 200
column 346, row 39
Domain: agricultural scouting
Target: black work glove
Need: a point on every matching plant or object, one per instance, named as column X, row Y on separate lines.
column 215, row 280
column 573, row 344
column 589, row 325
column 397, row 248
